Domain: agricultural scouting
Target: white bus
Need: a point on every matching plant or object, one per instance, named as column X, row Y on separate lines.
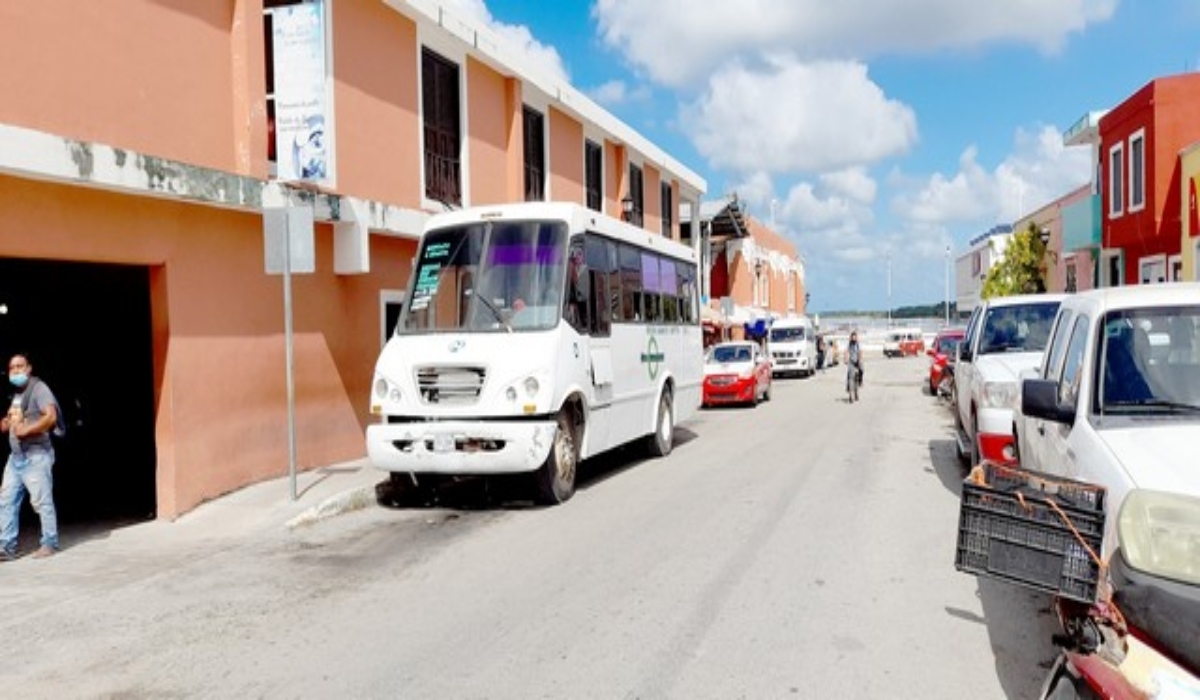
column 534, row 336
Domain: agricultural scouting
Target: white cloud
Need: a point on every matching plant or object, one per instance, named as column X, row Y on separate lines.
column 795, row 117
column 853, row 183
column 1038, row 171
column 517, row 36
column 704, row 34
column 616, row 92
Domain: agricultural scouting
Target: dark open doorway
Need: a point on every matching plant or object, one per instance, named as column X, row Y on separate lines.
column 87, row 331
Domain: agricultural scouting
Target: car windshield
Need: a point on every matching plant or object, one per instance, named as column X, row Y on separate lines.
column 787, row 335
column 949, row 346
column 1151, row 361
column 488, row 276
column 1019, row 328
column 722, row 354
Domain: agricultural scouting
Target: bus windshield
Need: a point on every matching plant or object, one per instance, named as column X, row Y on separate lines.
column 487, row 277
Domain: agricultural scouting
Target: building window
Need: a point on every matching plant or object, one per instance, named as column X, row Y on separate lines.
column 535, row 155
column 443, row 139
column 1137, row 171
column 593, row 159
column 1072, row 283
column 636, row 192
column 1116, row 180
column 668, row 208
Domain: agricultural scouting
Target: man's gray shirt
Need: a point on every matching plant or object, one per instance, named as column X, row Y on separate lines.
column 40, row 396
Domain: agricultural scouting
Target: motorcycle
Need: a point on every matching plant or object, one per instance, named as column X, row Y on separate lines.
column 1140, row 643
column 945, row 387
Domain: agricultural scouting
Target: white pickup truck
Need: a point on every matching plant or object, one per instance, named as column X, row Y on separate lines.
column 1117, row 403
column 1005, row 336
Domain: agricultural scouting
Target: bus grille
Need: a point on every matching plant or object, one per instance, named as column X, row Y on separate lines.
column 450, row 385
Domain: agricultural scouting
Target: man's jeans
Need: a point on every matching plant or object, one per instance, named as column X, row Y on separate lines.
column 28, row 472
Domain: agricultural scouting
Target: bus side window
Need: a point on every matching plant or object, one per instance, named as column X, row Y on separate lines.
column 599, row 265
column 577, row 303
column 631, row 283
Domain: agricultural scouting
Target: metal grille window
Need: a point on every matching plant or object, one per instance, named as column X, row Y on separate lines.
column 535, row 155
column 636, row 192
column 667, row 209
column 443, row 137
column 593, row 157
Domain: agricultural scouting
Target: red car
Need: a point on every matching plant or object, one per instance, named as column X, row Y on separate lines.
column 736, row 372
column 942, row 353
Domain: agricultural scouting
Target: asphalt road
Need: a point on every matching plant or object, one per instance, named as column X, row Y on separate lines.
column 803, row 548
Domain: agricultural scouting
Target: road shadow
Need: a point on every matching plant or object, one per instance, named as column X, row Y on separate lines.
column 508, row 491
column 1019, row 621
column 944, row 463
column 1021, row 626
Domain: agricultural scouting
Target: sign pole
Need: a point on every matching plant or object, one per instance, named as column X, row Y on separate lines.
column 290, row 360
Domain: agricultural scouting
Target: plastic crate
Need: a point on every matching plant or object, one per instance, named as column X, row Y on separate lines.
column 1007, row 530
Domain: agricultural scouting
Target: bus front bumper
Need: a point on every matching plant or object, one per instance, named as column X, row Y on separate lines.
column 460, row 447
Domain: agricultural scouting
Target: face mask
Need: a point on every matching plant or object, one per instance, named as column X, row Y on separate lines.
column 18, row 379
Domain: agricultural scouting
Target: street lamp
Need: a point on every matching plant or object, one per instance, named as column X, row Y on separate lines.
column 889, row 290
column 758, row 266
column 627, row 208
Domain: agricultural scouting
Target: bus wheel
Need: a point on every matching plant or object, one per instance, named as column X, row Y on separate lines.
column 662, row 439
column 555, row 479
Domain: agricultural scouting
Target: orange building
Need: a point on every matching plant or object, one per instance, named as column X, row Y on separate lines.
column 753, row 273
column 141, row 143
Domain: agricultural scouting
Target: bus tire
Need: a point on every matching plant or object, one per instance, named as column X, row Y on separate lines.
column 660, row 442
column 555, row 479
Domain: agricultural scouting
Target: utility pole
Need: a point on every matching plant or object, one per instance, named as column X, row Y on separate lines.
column 947, row 323
column 889, row 290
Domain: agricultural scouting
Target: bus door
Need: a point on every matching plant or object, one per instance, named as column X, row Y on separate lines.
column 588, row 287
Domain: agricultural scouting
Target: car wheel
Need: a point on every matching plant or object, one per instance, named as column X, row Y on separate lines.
column 659, row 444
column 555, row 479
column 767, row 393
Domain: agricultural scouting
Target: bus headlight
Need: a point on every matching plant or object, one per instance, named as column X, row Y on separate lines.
column 531, row 386
column 385, row 390
column 1159, row 533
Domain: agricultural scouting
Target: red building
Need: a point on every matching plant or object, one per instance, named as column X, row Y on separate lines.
column 1140, row 142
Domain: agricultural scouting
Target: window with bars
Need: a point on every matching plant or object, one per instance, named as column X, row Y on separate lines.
column 593, row 158
column 443, row 137
column 637, row 194
column 667, row 208
column 535, row 155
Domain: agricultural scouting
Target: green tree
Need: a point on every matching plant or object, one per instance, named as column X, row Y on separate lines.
column 1022, row 269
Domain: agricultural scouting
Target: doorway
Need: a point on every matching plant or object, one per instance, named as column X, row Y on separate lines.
column 86, row 329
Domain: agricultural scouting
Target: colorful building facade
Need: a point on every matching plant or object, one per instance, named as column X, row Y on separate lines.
column 138, row 168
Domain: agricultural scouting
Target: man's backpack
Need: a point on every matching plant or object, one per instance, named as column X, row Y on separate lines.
column 60, row 428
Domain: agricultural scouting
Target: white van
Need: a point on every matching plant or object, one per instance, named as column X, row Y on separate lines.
column 792, row 344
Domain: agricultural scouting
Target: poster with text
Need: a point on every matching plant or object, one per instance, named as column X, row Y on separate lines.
column 300, row 95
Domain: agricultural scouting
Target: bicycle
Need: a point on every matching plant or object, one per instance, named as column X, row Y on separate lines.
column 853, row 381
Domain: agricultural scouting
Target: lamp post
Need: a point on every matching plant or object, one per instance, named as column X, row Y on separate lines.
column 889, row 290
column 947, row 321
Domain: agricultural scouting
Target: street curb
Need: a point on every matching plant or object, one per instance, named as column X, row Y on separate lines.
column 344, row 502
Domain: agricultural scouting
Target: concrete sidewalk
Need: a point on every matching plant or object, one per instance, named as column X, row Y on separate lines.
column 259, row 511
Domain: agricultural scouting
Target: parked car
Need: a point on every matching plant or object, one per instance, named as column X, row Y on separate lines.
column 736, row 372
column 942, row 352
column 1117, row 403
column 903, row 342
column 1005, row 336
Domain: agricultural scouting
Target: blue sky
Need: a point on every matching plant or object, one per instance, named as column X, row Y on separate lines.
column 871, row 128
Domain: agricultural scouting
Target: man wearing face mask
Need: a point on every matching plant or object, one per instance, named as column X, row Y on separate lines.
column 31, row 417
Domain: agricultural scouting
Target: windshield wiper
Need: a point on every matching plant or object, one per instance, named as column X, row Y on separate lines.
column 490, row 307
column 1173, row 406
